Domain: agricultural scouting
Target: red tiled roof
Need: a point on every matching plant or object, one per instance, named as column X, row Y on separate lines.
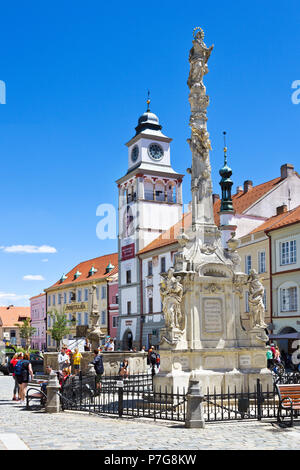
column 11, row 315
column 278, row 221
column 99, row 263
column 242, row 201
column 169, row 236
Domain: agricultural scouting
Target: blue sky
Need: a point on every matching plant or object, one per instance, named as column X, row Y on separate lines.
column 77, row 75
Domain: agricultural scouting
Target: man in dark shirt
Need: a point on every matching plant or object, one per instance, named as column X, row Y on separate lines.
column 98, row 366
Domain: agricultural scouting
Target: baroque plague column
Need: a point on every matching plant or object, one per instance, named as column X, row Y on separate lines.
column 204, row 338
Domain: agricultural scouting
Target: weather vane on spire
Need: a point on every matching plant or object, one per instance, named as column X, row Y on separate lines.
column 225, row 149
column 148, row 102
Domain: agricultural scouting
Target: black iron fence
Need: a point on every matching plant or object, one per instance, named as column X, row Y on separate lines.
column 135, row 396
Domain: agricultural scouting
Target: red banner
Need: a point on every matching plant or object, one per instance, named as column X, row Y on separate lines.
column 128, row 252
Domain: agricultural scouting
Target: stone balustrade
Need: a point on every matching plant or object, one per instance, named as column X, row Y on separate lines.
column 111, row 360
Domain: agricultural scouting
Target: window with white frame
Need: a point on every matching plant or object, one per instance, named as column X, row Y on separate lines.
column 288, row 253
column 79, row 318
column 53, row 299
column 248, row 264
column 103, row 317
column 115, row 322
column 79, row 295
column 65, row 297
column 163, row 264
column 59, row 299
column 103, row 292
column 262, row 262
column 86, row 295
column 288, row 299
column 49, row 300
column 86, row 318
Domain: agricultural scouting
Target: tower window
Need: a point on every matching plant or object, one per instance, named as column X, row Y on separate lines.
column 128, row 276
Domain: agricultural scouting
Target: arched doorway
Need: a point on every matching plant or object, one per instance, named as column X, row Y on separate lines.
column 127, row 340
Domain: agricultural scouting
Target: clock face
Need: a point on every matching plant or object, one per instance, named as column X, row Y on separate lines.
column 135, row 153
column 155, row 151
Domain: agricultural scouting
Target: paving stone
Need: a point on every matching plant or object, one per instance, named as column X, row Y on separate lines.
column 70, row 430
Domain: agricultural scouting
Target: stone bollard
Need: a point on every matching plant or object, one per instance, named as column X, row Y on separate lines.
column 194, row 414
column 53, row 400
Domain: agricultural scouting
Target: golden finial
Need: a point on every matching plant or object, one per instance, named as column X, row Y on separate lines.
column 225, row 149
column 148, row 102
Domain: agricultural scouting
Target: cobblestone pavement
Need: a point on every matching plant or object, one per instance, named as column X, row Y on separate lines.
column 70, row 430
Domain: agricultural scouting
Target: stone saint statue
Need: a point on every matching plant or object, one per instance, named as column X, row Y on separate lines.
column 171, row 292
column 199, row 55
column 256, row 304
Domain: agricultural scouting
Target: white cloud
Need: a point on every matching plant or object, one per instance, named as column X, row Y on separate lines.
column 7, row 298
column 28, row 249
column 33, row 277
column 45, row 260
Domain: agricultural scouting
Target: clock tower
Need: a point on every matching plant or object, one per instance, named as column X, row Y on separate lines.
column 150, row 202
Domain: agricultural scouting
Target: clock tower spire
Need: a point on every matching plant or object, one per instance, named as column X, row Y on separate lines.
column 150, row 202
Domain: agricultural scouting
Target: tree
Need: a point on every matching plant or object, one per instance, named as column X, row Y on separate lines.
column 61, row 325
column 26, row 331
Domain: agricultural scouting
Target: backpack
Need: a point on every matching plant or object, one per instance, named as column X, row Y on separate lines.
column 18, row 368
column 153, row 358
column 99, row 365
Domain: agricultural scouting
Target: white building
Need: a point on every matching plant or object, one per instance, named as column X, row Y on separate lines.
column 150, row 201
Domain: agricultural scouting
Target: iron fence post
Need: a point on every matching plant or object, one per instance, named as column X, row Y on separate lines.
column 120, row 399
column 259, row 401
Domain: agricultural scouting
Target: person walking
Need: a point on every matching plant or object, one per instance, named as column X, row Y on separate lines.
column 77, row 356
column 269, row 358
column 23, row 371
column 152, row 360
column 17, row 357
column 69, row 353
column 63, row 359
column 98, row 366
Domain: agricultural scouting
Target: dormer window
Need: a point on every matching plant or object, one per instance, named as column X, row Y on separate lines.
column 109, row 268
column 92, row 271
column 77, row 274
column 63, row 278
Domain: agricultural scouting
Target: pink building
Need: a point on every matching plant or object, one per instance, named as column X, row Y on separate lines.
column 38, row 321
column 113, row 306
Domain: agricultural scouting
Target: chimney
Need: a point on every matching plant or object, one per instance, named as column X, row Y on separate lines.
column 215, row 198
column 281, row 209
column 239, row 189
column 248, row 184
column 286, row 170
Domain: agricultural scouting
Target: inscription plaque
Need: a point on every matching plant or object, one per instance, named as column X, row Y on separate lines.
column 213, row 316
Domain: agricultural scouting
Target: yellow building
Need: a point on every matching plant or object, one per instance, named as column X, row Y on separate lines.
column 254, row 253
column 72, row 295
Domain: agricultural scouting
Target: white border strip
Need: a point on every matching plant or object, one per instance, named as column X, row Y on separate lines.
column 12, row 442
